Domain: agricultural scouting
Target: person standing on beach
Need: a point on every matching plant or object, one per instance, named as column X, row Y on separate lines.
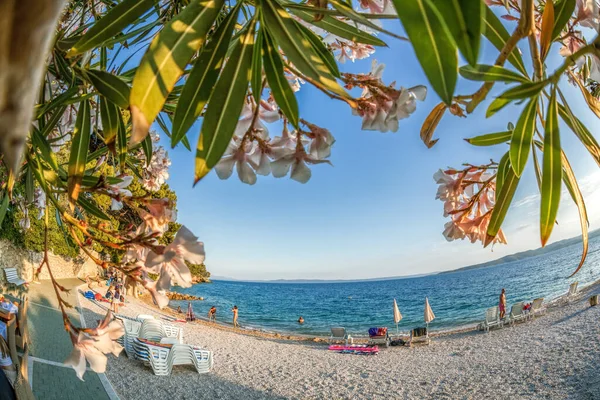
column 212, row 313
column 235, row 317
column 502, row 303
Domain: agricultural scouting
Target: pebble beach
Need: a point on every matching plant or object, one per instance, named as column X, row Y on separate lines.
column 551, row 357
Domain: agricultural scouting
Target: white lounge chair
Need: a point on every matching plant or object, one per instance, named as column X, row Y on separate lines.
column 537, row 307
column 492, row 318
column 12, row 276
column 517, row 313
column 571, row 294
column 162, row 359
column 340, row 334
column 149, row 329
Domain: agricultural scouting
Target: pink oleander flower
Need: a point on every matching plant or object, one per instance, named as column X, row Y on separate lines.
column 321, row 141
column 377, row 6
column 92, row 346
column 157, row 172
column 238, row 154
column 160, row 298
column 39, row 200
column 267, row 112
column 587, row 14
column 171, row 263
column 161, row 214
column 572, row 43
column 297, row 162
column 450, row 188
column 119, row 190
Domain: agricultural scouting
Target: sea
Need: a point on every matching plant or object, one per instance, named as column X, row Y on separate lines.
column 458, row 299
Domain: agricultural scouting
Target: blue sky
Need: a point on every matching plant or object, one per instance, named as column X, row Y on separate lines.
column 373, row 214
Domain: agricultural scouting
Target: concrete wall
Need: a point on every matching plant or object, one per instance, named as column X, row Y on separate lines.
column 27, row 262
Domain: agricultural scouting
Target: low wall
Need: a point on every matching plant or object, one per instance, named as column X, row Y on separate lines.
column 26, row 262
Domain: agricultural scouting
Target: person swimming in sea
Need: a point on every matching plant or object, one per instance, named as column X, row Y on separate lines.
column 212, row 313
column 301, row 320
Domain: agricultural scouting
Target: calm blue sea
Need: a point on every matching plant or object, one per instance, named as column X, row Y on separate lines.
column 457, row 299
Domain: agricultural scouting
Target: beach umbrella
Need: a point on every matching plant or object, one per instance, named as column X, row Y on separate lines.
column 429, row 315
column 397, row 315
column 190, row 313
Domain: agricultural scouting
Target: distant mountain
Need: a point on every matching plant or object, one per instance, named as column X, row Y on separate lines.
column 390, row 278
column 525, row 254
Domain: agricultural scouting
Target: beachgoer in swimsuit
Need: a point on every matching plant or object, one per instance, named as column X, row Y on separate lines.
column 235, row 317
column 301, row 320
column 502, row 303
column 212, row 313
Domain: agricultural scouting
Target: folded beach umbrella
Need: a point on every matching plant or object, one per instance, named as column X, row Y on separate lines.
column 429, row 315
column 397, row 315
column 190, row 313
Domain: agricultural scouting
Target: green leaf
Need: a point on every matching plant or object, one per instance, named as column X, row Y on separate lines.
column 121, row 142
column 297, row 48
column 345, row 8
column 563, row 10
column 319, row 46
column 490, row 139
column 490, row 73
column 147, row 147
column 109, row 114
column 498, row 104
column 41, row 143
column 280, row 87
column 202, row 78
column 536, row 166
column 225, row 105
column 571, row 183
column 522, row 136
column 91, row 208
column 580, row 130
column 502, row 171
column 524, row 90
column 29, row 185
column 79, row 150
column 339, row 28
column 432, row 44
column 65, row 72
column 497, row 34
column 109, row 86
column 504, row 196
column 3, row 207
column 464, row 19
column 552, row 172
column 256, row 82
column 113, row 23
column 166, row 59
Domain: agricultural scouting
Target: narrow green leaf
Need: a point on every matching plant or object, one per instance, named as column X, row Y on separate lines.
column 497, row 34
column 41, row 143
column 297, row 48
column 345, row 8
column 504, row 197
column 563, row 10
column 166, row 59
column 50, row 125
column 147, row 147
column 280, row 87
column 3, row 207
column 432, row 44
column 326, row 55
column 490, row 73
column 580, row 130
column 571, row 183
column 524, row 91
column 202, row 78
column 79, row 150
column 257, row 75
column 464, row 19
column 65, row 72
column 113, row 23
column 490, row 139
column 121, row 142
column 225, row 105
column 536, row 167
column 109, row 86
column 109, row 114
column 552, row 172
column 522, row 136
column 89, row 207
column 29, row 185
column 502, row 171
column 498, row 104
column 339, row 28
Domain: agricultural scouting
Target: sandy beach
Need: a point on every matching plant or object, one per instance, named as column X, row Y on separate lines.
column 551, row 357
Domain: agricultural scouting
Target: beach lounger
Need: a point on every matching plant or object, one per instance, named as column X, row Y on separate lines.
column 379, row 336
column 12, row 276
column 492, row 318
column 419, row 335
column 340, row 334
column 537, row 307
column 162, row 358
column 517, row 313
column 571, row 294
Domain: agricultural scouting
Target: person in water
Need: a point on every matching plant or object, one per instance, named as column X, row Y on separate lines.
column 212, row 313
column 235, row 317
column 502, row 303
column 301, row 320
column 179, row 311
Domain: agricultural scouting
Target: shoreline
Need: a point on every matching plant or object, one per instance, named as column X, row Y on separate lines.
column 170, row 313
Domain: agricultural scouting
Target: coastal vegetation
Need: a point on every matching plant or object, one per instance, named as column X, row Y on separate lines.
column 77, row 108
